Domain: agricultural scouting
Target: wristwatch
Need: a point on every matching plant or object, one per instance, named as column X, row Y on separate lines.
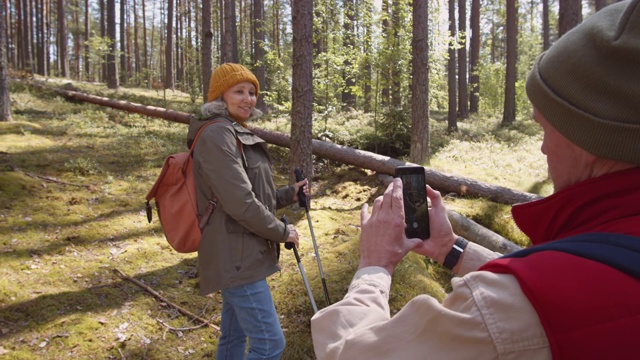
column 454, row 254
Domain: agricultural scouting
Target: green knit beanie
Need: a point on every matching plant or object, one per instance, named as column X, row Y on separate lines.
column 587, row 85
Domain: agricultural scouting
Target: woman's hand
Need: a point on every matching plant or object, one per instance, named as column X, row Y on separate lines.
column 293, row 235
column 305, row 189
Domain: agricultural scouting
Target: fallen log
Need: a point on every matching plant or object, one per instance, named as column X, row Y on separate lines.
column 479, row 234
column 471, row 230
column 385, row 165
column 382, row 164
column 171, row 115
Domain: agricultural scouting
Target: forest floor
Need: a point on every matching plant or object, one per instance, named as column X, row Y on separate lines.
column 74, row 234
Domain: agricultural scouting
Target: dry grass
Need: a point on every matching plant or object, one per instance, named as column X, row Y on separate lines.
column 73, row 178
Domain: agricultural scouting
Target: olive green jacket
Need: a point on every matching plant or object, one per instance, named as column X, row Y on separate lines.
column 240, row 244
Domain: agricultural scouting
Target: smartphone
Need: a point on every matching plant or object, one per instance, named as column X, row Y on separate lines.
column 414, row 193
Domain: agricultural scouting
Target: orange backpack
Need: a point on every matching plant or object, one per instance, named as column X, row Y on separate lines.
column 175, row 196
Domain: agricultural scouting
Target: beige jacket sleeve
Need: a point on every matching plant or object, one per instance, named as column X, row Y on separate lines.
column 474, row 257
column 486, row 316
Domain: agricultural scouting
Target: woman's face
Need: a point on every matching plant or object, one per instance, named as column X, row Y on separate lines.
column 241, row 100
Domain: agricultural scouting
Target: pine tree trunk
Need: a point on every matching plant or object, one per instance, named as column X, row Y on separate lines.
column 385, row 72
column 367, row 73
column 419, row 152
column 41, row 58
column 87, row 33
column 207, row 37
column 123, row 42
column 179, row 51
column 396, row 72
column 112, row 66
column 474, row 57
column 600, row 4
column 276, row 24
column 302, row 87
column 569, row 15
column 145, row 56
column 9, row 36
column 463, row 89
column 26, row 35
column 136, row 43
column 5, row 101
column 168, row 51
column 63, row 52
column 452, row 121
column 348, row 98
column 546, row 33
column 230, row 35
column 77, row 39
column 103, row 33
column 258, row 49
column 509, row 113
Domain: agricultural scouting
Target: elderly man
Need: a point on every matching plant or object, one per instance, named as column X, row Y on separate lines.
column 575, row 293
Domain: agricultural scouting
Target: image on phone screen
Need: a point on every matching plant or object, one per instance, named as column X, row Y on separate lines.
column 415, row 201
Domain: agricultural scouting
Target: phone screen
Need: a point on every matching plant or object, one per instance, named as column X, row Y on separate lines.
column 416, row 212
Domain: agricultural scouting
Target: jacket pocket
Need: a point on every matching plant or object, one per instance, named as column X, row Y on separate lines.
column 256, row 156
column 247, row 251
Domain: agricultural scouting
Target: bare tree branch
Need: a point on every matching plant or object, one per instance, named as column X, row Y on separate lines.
column 161, row 298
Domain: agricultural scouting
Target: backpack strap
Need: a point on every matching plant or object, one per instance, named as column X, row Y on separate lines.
column 193, row 144
column 619, row 251
column 212, row 204
column 220, row 119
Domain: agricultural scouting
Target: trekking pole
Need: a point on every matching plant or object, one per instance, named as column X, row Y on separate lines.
column 302, row 199
column 289, row 246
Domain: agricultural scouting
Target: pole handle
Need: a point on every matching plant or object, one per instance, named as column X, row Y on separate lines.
column 302, row 198
column 287, row 245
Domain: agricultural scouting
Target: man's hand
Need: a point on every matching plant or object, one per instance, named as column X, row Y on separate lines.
column 382, row 240
column 442, row 236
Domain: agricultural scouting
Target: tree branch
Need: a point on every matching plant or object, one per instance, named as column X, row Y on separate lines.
column 161, row 298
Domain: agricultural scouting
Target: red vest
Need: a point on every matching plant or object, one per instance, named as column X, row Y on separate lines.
column 588, row 310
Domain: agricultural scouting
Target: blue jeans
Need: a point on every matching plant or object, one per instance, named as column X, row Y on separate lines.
column 248, row 311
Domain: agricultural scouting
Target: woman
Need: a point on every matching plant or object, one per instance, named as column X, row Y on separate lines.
column 241, row 244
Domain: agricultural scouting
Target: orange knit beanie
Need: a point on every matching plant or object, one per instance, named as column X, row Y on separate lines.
column 227, row 75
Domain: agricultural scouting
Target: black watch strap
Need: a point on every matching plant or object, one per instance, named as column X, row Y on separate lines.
column 454, row 255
